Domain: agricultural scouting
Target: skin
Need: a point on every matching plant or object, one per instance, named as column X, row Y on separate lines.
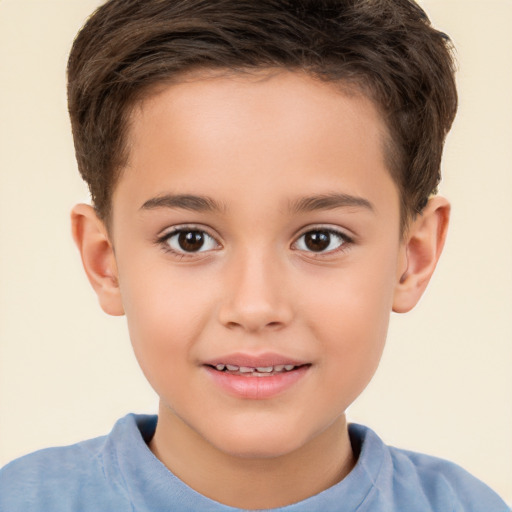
column 256, row 146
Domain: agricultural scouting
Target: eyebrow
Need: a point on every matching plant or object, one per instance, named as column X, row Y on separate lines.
column 184, row 202
column 304, row 204
column 328, row 202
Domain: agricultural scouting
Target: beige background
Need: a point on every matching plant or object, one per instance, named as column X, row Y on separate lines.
column 66, row 369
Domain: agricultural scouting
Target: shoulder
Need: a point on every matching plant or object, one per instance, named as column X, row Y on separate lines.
column 415, row 481
column 442, row 481
column 76, row 477
column 55, row 479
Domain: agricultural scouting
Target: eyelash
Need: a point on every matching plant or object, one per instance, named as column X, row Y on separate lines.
column 163, row 240
column 345, row 240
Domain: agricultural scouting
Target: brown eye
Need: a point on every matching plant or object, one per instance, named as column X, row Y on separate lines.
column 321, row 240
column 317, row 240
column 190, row 241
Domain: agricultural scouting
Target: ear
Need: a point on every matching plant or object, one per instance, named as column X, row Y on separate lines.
column 421, row 249
column 92, row 240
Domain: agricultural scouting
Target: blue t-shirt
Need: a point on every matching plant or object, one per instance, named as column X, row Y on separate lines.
column 118, row 472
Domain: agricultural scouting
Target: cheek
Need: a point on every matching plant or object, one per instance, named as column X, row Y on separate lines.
column 352, row 324
column 355, row 302
column 166, row 314
column 158, row 298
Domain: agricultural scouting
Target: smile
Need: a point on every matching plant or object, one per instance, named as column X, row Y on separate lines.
column 260, row 378
column 259, row 371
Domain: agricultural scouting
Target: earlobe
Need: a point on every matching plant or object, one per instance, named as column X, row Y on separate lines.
column 421, row 250
column 98, row 259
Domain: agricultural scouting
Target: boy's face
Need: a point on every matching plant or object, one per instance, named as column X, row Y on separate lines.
column 257, row 225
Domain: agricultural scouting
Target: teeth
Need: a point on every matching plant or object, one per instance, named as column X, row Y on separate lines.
column 260, row 369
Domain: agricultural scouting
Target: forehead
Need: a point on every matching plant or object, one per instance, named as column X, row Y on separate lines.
column 250, row 134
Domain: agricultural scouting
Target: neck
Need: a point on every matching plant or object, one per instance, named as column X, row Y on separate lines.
column 250, row 482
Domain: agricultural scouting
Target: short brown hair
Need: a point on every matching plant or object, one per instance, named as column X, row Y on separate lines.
column 387, row 48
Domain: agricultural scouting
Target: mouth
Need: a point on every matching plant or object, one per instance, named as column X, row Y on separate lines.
column 256, row 371
column 256, row 377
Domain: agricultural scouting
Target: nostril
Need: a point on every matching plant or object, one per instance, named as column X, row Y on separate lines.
column 262, row 326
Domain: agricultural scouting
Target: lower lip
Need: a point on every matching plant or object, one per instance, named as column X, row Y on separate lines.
column 257, row 388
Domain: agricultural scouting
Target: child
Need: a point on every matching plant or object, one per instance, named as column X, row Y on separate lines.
column 263, row 178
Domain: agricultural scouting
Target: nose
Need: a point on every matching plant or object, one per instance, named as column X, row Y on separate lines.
column 256, row 297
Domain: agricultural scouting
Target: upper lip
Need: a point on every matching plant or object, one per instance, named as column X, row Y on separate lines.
column 266, row 359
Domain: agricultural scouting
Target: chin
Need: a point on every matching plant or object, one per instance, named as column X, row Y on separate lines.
column 268, row 441
column 258, row 449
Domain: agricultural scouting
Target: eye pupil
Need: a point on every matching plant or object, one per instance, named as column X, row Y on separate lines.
column 191, row 241
column 317, row 240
